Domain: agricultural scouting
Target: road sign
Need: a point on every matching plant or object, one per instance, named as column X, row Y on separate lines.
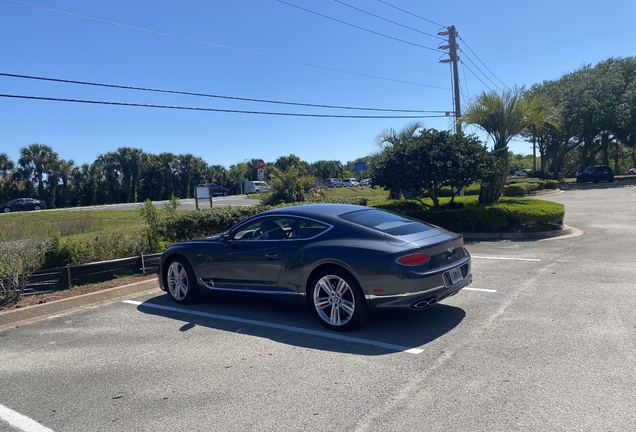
column 261, row 174
column 260, row 164
column 360, row 166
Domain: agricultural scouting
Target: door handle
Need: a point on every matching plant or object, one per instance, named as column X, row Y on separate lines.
column 271, row 256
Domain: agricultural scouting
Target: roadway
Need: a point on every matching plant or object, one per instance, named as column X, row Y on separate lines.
column 542, row 340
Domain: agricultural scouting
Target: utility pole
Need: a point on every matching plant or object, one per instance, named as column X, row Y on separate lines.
column 453, row 58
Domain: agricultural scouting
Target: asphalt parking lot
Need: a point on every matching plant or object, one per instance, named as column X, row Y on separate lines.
column 542, row 340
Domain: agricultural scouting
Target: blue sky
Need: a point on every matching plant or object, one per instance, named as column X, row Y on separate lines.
column 268, row 49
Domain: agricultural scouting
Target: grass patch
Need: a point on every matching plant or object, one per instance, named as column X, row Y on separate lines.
column 79, row 224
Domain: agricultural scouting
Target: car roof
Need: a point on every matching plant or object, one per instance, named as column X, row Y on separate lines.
column 318, row 211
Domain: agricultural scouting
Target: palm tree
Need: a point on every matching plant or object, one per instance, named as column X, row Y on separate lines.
column 65, row 170
column 6, row 164
column 504, row 116
column 390, row 137
column 37, row 159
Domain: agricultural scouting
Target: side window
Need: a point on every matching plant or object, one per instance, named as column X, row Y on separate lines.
column 307, row 229
column 271, row 228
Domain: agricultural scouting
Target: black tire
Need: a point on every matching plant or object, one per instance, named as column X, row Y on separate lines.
column 180, row 281
column 37, row 207
column 6, row 210
column 336, row 299
column 224, row 193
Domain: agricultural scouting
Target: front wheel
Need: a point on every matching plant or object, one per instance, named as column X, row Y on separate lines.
column 37, row 207
column 336, row 299
column 224, row 194
column 6, row 210
column 181, row 281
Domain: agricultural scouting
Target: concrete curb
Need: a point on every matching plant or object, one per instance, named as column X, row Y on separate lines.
column 18, row 317
column 537, row 235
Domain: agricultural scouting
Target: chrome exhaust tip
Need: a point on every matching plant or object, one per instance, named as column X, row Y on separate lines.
column 423, row 304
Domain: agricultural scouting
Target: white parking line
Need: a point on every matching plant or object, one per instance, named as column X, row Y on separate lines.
column 480, row 289
column 21, row 422
column 506, row 258
column 384, row 345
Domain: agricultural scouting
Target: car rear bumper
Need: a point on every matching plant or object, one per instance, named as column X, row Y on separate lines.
column 422, row 299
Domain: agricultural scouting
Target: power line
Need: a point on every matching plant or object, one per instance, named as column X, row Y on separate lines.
column 211, row 109
column 360, row 28
column 470, row 70
column 466, row 81
column 220, row 46
column 410, row 13
column 212, row 95
column 493, row 74
column 388, row 20
column 482, row 72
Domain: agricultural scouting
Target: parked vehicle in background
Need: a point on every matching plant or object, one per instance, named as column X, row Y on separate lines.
column 342, row 259
column 256, row 187
column 365, row 182
column 332, row 183
column 523, row 173
column 22, row 204
column 216, row 190
column 350, row 182
column 595, row 174
column 632, row 171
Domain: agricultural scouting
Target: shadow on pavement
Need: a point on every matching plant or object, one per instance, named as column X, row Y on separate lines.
column 409, row 329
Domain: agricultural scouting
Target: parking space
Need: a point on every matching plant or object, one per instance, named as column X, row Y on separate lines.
column 542, row 340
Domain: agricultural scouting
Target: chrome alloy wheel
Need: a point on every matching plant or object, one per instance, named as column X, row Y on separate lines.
column 334, row 300
column 177, row 281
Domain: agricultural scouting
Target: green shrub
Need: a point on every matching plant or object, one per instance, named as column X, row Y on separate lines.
column 340, row 200
column 68, row 251
column 202, row 223
column 507, row 214
column 473, row 189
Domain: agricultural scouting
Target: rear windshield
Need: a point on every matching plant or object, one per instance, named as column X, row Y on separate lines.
column 386, row 222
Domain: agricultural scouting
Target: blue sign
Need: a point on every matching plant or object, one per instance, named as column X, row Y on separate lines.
column 360, row 166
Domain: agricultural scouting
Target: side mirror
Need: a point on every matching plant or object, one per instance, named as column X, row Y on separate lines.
column 225, row 238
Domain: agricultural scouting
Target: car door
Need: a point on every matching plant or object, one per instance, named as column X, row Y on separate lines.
column 253, row 257
column 19, row 205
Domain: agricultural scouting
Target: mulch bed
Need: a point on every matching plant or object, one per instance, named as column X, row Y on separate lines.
column 35, row 299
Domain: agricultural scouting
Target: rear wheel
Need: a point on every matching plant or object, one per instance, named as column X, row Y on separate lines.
column 6, row 210
column 336, row 299
column 181, row 281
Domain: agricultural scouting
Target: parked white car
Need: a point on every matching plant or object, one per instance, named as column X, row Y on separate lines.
column 350, row 182
column 256, row 187
column 632, row 171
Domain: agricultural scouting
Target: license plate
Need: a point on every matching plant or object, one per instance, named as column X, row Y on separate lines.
column 455, row 275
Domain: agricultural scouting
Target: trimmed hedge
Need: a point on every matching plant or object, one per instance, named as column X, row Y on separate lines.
column 466, row 216
column 202, row 223
column 513, row 187
column 509, row 214
column 471, row 190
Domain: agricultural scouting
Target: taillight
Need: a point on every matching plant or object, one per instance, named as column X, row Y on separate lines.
column 413, row 259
